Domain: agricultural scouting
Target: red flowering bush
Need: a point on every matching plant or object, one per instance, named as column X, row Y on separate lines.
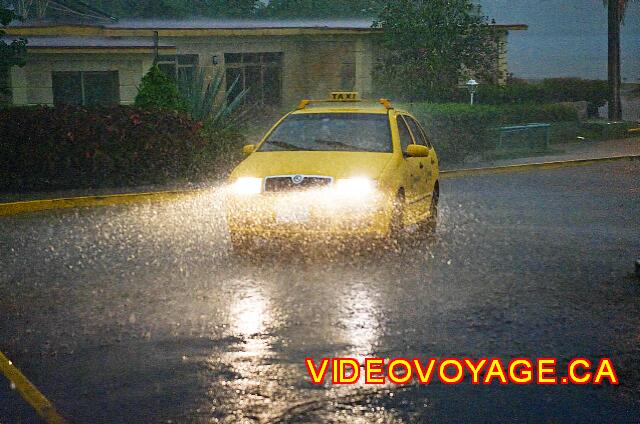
column 45, row 148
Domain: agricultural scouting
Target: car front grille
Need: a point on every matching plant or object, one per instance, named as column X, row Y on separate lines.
column 295, row 183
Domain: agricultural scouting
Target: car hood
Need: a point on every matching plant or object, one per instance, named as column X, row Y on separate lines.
column 332, row 164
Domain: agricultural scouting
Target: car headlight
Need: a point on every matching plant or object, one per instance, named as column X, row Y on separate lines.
column 247, row 185
column 356, row 186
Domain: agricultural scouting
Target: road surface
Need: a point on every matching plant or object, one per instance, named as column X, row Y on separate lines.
column 138, row 313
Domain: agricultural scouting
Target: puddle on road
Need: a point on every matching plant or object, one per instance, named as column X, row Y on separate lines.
column 163, row 274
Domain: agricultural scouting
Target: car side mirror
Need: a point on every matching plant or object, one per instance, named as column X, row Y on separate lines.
column 248, row 149
column 417, row 151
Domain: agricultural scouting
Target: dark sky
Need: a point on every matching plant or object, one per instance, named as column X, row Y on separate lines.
column 565, row 37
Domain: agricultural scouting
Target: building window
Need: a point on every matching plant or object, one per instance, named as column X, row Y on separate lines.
column 181, row 67
column 260, row 73
column 347, row 76
column 86, row 88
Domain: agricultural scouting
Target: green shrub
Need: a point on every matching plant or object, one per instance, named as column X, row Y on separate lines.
column 158, row 90
column 456, row 129
column 459, row 130
column 596, row 130
column 528, row 113
column 595, row 92
column 45, row 148
column 564, row 131
column 551, row 90
column 516, row 92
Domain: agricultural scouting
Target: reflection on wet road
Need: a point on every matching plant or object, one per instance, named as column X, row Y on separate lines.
column 140, row 314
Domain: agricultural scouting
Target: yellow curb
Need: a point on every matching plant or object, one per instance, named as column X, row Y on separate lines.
column 15, row 208
column 533, row 166
column 30, row 393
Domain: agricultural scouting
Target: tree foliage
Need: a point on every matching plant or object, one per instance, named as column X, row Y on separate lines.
column 178, row 8
column 241, row 8
column 13, row 53
column 429, row 46
column 321, row 8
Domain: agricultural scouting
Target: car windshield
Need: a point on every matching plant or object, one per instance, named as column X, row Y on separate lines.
column 349, row 132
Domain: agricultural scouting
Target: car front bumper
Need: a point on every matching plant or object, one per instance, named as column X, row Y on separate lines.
column 310, row 215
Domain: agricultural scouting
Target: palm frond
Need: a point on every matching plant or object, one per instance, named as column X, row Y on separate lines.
column 207, row 101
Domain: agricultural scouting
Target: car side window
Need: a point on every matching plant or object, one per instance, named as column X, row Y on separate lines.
column 414, row 130
column 405, row 135
column 426, row 138
column 418, row 132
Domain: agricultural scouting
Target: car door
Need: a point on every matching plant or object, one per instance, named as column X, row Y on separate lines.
column 433, row 157
column 428, row 165
column 412, row 172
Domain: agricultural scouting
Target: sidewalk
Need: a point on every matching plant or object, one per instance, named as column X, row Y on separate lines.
column 572, row 151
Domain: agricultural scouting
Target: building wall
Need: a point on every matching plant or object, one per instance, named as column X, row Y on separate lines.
column 31, row 85
column 312, row 65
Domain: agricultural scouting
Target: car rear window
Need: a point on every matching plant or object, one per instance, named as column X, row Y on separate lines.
column 349, row 132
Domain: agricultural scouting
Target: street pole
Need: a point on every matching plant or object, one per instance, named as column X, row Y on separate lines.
column 472, row 85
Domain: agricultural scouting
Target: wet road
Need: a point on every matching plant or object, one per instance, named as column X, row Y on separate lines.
column 129, row 314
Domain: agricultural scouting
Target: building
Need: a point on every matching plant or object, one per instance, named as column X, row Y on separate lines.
column 78, row 55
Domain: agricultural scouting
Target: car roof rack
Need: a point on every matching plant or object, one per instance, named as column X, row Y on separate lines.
column 342, row 97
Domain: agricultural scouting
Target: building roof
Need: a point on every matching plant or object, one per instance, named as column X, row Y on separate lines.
column 93, row 44
column 221, row 25
column 203, row 23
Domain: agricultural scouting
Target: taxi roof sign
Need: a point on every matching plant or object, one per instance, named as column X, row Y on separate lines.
column 335, row 96
column 344, row 96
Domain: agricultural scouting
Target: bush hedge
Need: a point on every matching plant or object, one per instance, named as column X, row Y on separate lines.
column 459, row 130
column 597, row 130
column 45, row 148
column 550, row 90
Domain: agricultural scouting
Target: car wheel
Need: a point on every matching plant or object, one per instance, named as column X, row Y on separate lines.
column 240, row 244
column 396, row 226
column 431, row 224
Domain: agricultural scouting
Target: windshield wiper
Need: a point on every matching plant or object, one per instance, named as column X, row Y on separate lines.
column 340, row 144
column 283, row 145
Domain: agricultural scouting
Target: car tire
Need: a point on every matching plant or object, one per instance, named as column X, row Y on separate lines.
column 396, row 226
column 431, row 224
column 241, row 245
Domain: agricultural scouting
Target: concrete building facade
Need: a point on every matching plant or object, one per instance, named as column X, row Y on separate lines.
column 280, row 62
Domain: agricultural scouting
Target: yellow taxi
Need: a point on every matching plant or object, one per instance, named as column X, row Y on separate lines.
column 336, row 168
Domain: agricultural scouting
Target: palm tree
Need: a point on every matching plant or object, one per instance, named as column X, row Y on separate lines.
column 616, row 9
